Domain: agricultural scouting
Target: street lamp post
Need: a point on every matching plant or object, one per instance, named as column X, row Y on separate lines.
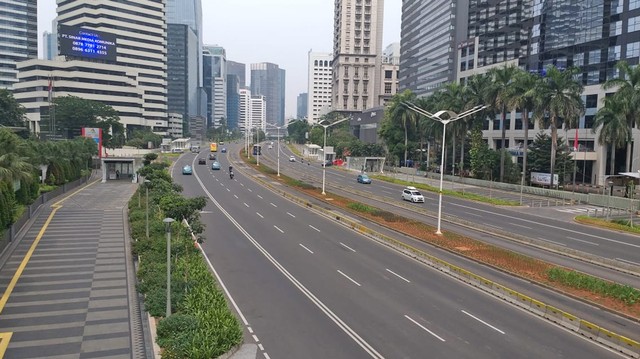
column 452, row 116
column 324, row 151
column 168, row 222
column 277, row 127
column 146, row 215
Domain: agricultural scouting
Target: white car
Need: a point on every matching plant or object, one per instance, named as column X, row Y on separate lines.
column 292, row 159
column 412, row 194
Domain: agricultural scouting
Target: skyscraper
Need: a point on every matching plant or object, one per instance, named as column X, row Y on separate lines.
column 430, row 33
column 182, row 70
column 238, row 69
column 215, row 84
column 357, row 46
column 18, row 37
column 141, row 35
column 233, row 101
column 301, row 108
column 268, row 80
column 319, row 83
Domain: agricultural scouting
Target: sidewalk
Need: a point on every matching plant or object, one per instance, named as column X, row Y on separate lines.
column 69, row 282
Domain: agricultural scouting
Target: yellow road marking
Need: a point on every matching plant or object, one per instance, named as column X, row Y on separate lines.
column 25, row 260
column 6, row 337
column 4, row 342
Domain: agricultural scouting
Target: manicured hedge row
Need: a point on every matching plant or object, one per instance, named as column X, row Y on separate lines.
column 201, row 324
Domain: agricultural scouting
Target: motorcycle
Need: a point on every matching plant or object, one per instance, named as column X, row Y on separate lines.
column 231, row 175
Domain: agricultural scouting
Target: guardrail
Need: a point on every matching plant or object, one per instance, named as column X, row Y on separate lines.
column 567, row 320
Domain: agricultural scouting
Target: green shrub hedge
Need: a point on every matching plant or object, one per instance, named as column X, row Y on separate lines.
column 201, row 324
column 625, row 293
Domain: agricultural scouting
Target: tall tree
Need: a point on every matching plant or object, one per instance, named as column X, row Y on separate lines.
column 452, row 98
column 558, row 98
column 476, row 92
column 499, row 96
column 73, row 113
column 395, row 113
column 521, row 97
column 627, row 85
column 12, row 114
column 297, row 130
column 14, row 162
column 614, row 130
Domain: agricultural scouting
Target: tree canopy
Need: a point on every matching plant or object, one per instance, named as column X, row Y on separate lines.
column 12, row 114
column 73, row 113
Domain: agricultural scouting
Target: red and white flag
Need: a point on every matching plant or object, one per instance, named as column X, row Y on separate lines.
column 575, row 141
column 50, row 89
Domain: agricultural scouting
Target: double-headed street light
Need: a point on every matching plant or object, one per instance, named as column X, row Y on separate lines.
column 167, row 221
column 324, row 150
column 451, row 116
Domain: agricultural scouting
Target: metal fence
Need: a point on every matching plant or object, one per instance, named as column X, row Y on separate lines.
column 595, row 199
column 11, row 232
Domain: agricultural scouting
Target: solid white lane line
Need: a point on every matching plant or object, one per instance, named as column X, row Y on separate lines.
column 308, row 250
column 255, row 338
column 304, row 290
column 276, row 227
column 346, row 276
column 519, row 225
column 398, row 275
column 273, row 204
column 261, row 216
column 245, row 204
column 291, row 215
column 314, row 228
column 347, row 247
column 483, row 322
column 424, row 328
column 236, row 196
column 259, row 196
column 583, row 241
column 546, row 240
column 630, row 262
column 547, row 225
column 249, row 189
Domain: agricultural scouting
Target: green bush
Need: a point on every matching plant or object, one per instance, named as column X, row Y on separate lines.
column 201, row 326
column 625, row 293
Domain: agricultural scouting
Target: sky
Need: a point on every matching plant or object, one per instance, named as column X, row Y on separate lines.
column 277, row 31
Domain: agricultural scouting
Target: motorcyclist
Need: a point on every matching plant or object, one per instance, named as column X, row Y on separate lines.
column 231, row 174
column 230, row 168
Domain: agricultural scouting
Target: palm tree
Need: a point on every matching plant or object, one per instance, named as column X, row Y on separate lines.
column 521, row 96
column 558, row 97
column 14, row 164
column 451, row 97
column 612, row 122
column 476, row 93
column 499, row 96
column 628, row 93
column 398, row 110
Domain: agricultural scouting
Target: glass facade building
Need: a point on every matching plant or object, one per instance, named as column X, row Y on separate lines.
column 18, row 37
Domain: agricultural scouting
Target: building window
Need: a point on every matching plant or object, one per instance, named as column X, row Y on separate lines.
column 388, row 74
column 578, row 60
column 470, row 65
column 614, row 53
column 593, row 77
column 633, row 50
column 634, row 24
column 387, row 88
column 633, row 4
column 615, row 28
column 591, row 101
column 594, row 57
column 616, row 6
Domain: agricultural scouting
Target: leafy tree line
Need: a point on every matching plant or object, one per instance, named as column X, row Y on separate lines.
column 23, row 161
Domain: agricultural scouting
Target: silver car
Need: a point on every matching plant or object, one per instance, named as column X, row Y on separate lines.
column 412, row 194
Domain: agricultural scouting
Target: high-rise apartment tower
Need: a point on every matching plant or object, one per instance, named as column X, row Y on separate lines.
column 18, row 37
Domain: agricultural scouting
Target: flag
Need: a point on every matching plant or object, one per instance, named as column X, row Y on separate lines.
column 50, row 89
column 575, row 141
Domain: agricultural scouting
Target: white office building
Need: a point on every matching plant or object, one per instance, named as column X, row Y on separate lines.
column 258, row 112
column 244, row 113
column 140, row 30
column 320, row 79
column 357, row 48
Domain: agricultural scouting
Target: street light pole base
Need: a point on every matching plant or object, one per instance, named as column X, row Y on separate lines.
column 438, row 232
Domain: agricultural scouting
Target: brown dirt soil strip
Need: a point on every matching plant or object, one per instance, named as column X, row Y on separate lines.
column 517, row 264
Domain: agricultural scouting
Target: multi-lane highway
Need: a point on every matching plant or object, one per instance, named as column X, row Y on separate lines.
column 615, row 248
column 307, row 287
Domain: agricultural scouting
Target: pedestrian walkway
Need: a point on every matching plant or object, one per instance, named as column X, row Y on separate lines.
column 68, row 281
